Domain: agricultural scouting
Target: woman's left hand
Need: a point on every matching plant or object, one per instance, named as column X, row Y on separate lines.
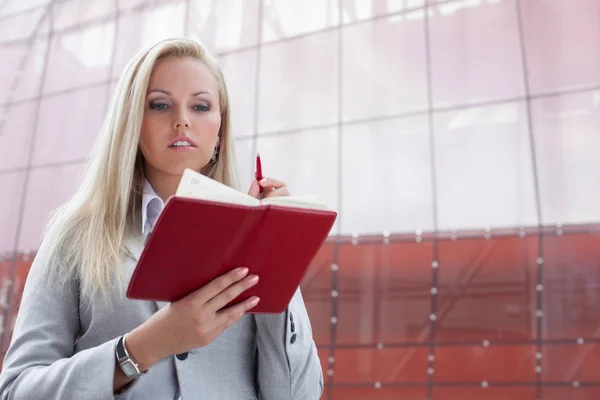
column 271, row 188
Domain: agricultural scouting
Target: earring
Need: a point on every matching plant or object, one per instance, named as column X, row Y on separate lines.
column 215, row 153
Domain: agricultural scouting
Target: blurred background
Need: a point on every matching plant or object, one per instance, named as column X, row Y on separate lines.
column 459, row 141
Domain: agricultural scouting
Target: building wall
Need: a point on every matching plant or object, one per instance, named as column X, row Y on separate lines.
column 457, row 139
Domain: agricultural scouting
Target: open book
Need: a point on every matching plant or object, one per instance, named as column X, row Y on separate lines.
column 197, row 186
column 208, row 229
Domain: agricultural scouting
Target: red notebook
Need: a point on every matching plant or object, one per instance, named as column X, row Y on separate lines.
column 207, row 229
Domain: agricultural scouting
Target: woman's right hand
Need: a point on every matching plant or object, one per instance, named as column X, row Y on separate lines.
column 193, row 321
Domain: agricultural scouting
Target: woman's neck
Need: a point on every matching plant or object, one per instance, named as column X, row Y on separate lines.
column 164, row 184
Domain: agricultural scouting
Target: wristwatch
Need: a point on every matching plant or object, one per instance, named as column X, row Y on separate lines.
column 128, row 365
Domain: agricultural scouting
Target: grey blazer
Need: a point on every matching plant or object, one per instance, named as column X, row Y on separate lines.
column 64, row 348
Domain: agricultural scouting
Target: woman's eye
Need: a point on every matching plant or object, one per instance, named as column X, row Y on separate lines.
column 201, row 107
column 158, row 106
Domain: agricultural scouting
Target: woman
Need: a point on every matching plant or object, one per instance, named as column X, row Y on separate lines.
column 78, row 337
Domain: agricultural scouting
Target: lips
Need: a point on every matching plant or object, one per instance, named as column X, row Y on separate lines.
column 182, row 141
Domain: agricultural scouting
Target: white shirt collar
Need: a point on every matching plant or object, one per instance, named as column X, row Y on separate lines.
column 152, row 205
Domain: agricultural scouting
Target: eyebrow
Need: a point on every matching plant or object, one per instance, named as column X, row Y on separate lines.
column 169, row 93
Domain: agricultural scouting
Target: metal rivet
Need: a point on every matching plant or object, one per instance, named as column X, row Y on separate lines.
column 334, row 293
column 334, row 267
column 538, row 369
column 539, row 287
column 377, row 385
column 418, row 239
column 429, row 371
column 330, row 372
column 431, row 358
column 331, row 360
column 540, row 260
column 334, row 320
column 539, row 355
column 539, row 314
column 484, row 384
column 435, row 264
column 433, row 291
column 432, row 317
column 386, row 234
column 486, row 343
column 580, row 341
column 522, row 233
column 379, row 346
column 576, row 384
column 386, row 241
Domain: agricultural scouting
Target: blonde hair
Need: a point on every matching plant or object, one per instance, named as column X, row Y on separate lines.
column 85, row 238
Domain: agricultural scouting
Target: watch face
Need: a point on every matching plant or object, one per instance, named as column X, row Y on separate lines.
column 129, row 368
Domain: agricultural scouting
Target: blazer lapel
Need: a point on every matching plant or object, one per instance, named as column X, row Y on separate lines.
column 134, row 245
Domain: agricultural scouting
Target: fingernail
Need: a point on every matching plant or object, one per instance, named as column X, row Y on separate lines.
column 254, row 301
column 253, row 279
column 263, row 180
column 242, row 272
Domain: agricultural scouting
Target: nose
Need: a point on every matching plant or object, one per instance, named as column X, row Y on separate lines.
column 181, row 120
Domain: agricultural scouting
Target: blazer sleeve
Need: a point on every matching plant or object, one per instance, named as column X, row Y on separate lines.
column 288, row 363
column 40, row 362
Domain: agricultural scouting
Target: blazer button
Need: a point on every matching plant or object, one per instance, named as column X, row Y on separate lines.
column 293, row 327
column 182, row 356
column 293, row 339
column 291, row 317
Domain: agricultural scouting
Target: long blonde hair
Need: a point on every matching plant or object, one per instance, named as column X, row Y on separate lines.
column 85, row 238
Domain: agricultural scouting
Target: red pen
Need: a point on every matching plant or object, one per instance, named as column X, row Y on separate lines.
column 259, row 174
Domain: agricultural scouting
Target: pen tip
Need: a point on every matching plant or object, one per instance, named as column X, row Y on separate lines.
column 257, row 154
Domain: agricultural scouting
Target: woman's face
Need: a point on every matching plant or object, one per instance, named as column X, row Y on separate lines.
column 181, row 118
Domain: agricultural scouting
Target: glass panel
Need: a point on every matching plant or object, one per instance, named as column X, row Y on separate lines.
column 384, row 293
column 14, row 6
column 15, row 135
column 487, row 289
column 13, row 59
column 316, row 288
column 306, row 161
column 239, row 70
column 475, row 52
column 71, row 13
column 26, row 64
column 495, row 393
column 223, row 25
column 483, row 168
column 145, row 28
column 386, row 176
column 567, row 142
column 388, row 365
column 55, row 185
column 568, row 363
column 245, row 162
column 562, row 40
column 386, row 393
column 80, row 58
column 562, row 393
column 68, row 125
column 10, row 206
column 360, row 10
column 19, row 26
column 571, row 282
column 298, row 83
column 384, row 68
column 285, row 18
column 491, row 364
column 132, row 5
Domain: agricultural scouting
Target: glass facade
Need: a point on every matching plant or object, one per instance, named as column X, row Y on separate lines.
column 458, row 140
